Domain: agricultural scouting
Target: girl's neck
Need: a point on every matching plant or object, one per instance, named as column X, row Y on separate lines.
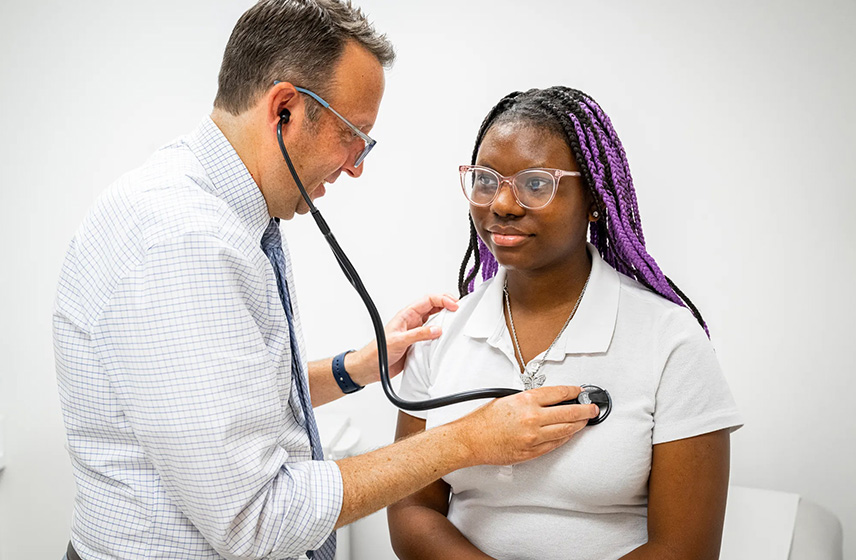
column 547, row 289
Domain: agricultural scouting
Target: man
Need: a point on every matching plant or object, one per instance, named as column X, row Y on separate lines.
column 178, row 347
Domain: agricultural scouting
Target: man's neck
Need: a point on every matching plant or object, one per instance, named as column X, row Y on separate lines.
column 234, row 128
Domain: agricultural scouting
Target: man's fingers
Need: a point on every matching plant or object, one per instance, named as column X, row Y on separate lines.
column 416, row 335
column 445, row 301
column 548, row 446
column 427, row 315
column 555, row 436
column 417, row 313
column 556, row 432
column 439, row 301
column 546, row 396
column 568, row 413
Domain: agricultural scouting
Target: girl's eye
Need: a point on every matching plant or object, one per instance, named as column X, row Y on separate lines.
column 536, row 184
column 485, row 179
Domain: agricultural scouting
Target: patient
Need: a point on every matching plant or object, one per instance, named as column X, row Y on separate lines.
column 651, row 480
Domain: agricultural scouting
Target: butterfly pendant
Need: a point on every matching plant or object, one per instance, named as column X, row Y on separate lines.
column 531, row 380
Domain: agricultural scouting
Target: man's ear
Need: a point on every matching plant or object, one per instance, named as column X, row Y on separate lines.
column 283, row 103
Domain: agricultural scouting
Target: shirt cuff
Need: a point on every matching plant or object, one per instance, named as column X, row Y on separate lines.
column 316, row 505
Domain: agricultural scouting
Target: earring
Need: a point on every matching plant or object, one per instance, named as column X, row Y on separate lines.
column 595, row 215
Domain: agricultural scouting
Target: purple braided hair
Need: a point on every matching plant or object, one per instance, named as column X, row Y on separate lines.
column 489, row 265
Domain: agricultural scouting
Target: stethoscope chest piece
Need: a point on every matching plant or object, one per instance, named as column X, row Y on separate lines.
column 592, row 394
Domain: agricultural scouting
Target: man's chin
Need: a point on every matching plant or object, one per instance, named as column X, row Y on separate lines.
column 301, row 209
column 316, row 193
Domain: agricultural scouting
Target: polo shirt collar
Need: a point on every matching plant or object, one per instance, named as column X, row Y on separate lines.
column 230, row 177
column 589, row 332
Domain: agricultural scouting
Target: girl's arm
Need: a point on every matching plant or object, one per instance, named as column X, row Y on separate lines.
column 687, row 490
column 418, row 525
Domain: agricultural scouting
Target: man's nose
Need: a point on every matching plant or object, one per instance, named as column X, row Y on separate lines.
column 349, row 167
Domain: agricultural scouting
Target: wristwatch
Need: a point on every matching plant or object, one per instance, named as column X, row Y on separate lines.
column 346, row 384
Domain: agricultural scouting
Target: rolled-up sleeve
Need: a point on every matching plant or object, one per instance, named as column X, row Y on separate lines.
column 183, row 342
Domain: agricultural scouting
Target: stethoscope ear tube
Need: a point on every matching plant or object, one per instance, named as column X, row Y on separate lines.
column 380, row 335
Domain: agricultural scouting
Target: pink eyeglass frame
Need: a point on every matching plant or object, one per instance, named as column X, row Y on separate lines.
column 556, row 173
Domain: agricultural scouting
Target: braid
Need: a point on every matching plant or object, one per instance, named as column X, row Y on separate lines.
column 605, row 170
column 606, row 124
column 464, row 282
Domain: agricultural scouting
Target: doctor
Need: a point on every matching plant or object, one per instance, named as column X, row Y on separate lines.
column 186, row 398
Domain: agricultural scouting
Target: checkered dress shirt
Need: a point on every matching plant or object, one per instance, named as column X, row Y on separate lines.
column 186, row 434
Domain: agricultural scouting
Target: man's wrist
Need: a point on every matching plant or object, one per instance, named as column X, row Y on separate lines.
column 454, row 441
column 342, row 376
column 357, row 369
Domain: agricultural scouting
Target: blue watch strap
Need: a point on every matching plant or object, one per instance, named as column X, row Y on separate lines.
column 346, row 384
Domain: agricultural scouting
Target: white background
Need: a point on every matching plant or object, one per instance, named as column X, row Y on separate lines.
column 738, row 119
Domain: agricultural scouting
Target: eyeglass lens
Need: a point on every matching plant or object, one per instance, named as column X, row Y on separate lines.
column 532, row 188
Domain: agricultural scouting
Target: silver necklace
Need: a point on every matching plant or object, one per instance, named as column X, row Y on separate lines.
column 529, row 376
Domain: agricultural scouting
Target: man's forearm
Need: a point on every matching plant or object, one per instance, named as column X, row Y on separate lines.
column 322, row 387
column 377, row 479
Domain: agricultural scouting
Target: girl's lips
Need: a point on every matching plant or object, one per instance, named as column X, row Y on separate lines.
column 508, row 240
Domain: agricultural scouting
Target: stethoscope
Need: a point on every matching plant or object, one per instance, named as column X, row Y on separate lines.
column 590, row 393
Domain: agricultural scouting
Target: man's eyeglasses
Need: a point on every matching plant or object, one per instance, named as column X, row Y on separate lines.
column 533, row 188
column 369, row 143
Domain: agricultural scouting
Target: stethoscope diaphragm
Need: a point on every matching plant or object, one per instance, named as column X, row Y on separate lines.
column 592, row 394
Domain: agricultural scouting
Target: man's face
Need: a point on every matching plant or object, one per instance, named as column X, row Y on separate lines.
column 327, row 146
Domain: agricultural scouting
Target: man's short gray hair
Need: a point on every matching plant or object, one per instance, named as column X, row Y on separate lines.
column 298, row 41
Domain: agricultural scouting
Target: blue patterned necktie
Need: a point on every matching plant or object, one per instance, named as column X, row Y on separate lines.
column 272, row 246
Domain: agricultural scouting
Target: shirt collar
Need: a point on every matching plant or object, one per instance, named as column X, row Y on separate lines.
column 231, row 180
column 589, row 332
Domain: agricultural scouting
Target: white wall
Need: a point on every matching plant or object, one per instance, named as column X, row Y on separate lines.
column 737, row 118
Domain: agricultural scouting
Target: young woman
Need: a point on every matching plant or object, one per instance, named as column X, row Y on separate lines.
column 651, row 480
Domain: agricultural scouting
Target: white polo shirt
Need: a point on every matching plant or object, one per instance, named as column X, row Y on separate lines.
column 588, row 499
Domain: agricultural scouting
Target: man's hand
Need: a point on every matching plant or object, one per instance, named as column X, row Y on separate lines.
column 503, row 432
column 406, row 328
column 523, row 426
